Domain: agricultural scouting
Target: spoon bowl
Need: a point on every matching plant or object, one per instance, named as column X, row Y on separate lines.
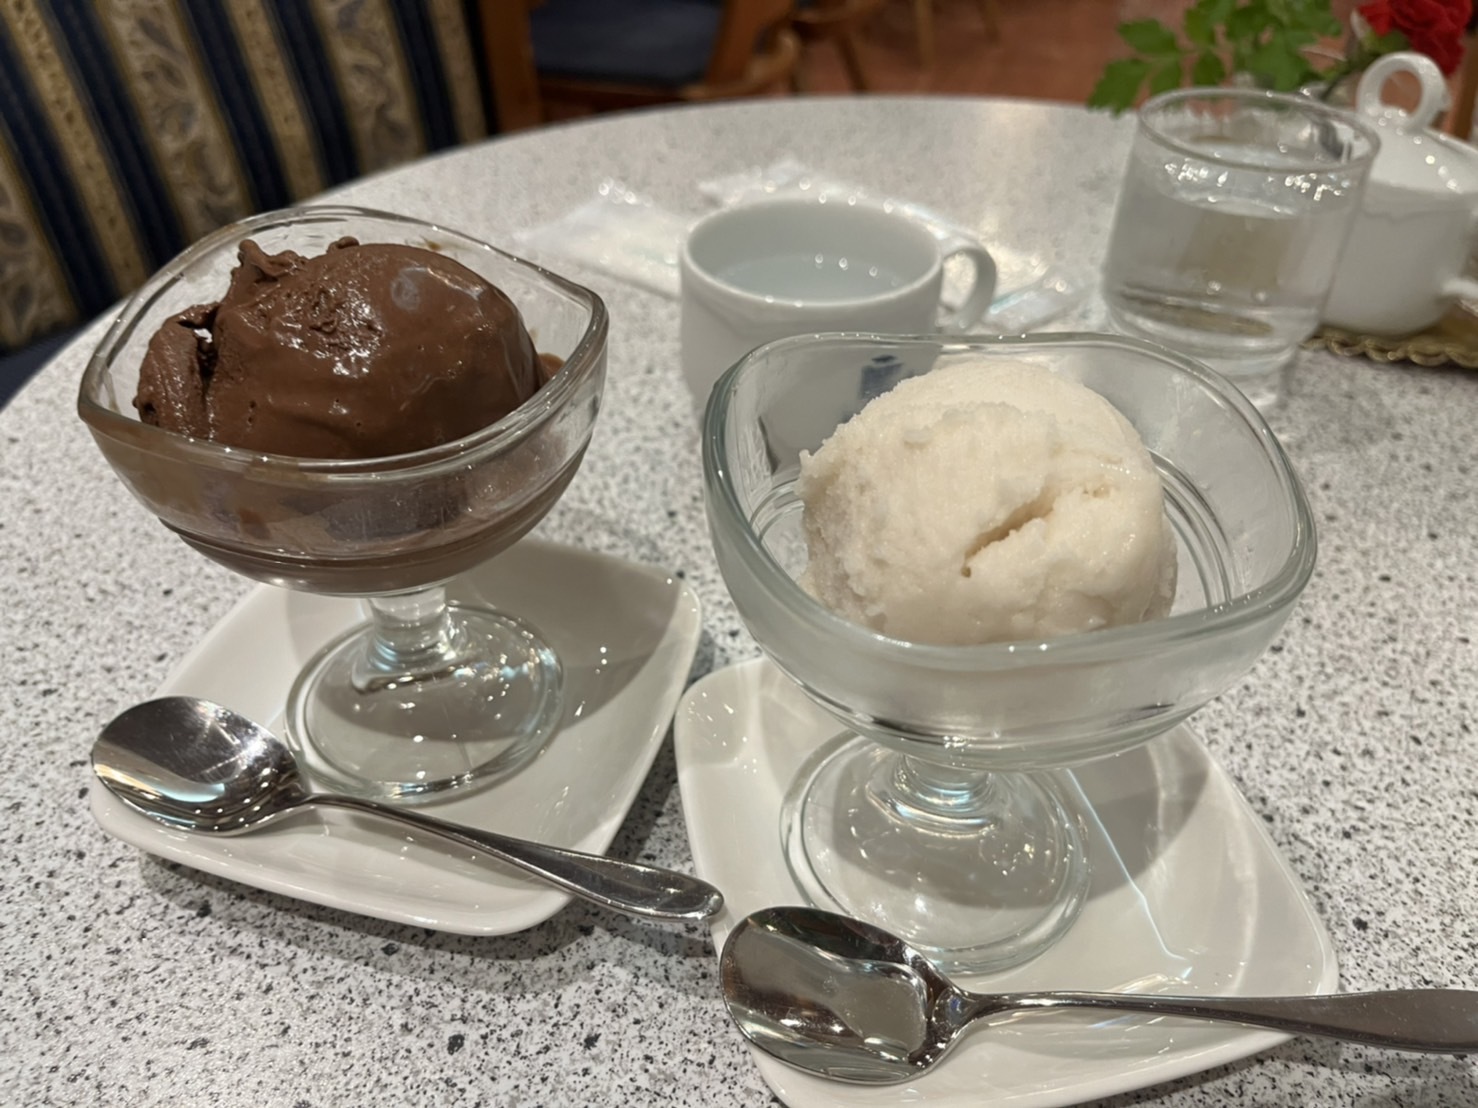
column 844, row 999
column 199, row 767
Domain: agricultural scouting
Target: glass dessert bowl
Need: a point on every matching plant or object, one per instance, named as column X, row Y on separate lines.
column 945, row 809
column 425, row 696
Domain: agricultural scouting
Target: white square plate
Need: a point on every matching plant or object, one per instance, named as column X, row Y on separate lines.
column 626, row 635
column 1189, row 895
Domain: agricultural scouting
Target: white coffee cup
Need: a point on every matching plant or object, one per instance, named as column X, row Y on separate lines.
column 791, row 265
column 1403, row 263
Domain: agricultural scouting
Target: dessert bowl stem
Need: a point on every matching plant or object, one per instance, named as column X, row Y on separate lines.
column 425, row 697
column 981, row 869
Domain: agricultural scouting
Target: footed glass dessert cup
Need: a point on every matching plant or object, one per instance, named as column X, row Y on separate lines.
column 425, row 696
column 945, row 809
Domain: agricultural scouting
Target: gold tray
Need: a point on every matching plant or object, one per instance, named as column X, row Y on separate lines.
column 1451, row 341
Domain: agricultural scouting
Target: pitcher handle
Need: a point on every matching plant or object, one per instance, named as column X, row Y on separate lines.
column 1434, row 96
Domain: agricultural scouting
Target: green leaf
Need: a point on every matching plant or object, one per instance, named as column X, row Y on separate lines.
column 1279, row 66
column 1150, row 37
column 1388, row 43
column 1200, row 28
column 1119, row 85
column 1247, row 23
column 1295, row 41
column 1208, row 70
column 1314, row 16
column 1216, row 12
column 1165, row 78
column 1328, row 26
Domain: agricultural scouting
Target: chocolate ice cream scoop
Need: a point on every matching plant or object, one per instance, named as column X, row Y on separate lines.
column 364, row 351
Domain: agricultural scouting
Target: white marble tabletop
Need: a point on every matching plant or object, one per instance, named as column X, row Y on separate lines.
column 132, row 981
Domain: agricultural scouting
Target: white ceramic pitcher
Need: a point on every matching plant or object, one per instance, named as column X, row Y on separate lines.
column 1403, row 264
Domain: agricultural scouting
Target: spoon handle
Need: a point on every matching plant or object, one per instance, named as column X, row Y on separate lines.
column 630, row 887
column 1442, row 1021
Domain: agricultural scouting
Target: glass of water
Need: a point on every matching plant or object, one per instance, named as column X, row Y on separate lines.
column 1234, row 209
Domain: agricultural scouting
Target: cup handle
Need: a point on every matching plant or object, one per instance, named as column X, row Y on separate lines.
column 1434, row 95
column 1460, row 288
column 982, row 288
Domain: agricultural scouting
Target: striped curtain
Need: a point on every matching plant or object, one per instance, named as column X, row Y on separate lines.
column 130, row 128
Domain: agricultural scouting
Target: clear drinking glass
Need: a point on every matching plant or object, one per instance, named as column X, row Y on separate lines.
column 1234, row 209
column 425, row 696
column 945, row 809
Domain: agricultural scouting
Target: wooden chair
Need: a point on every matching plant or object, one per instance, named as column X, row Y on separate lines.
column 605, row 54
column 1460, row 118
column 508, row 46
column 923, row 19
column 837, row 22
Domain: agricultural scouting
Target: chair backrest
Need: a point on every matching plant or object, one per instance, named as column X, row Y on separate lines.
column 1460, row 118
column 748, row 27
column 509, row 48
column 595, row 55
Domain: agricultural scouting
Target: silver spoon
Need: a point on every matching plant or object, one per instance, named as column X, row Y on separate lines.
column 846, row 1000
column 197, row 766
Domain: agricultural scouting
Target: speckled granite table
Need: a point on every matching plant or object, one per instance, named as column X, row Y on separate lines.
column 129, row 981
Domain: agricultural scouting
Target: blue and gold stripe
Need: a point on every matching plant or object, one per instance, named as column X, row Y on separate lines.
column 450, row 55
column 106, row 94
column 34, row 297
column 60, row 104
column 60, row 211
column 283, row 163
column 304, row 52
column 369, row 69
column 180, row 116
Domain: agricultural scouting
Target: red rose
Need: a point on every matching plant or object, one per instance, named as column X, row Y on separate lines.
column 1378, row 14
column 1431, row 27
